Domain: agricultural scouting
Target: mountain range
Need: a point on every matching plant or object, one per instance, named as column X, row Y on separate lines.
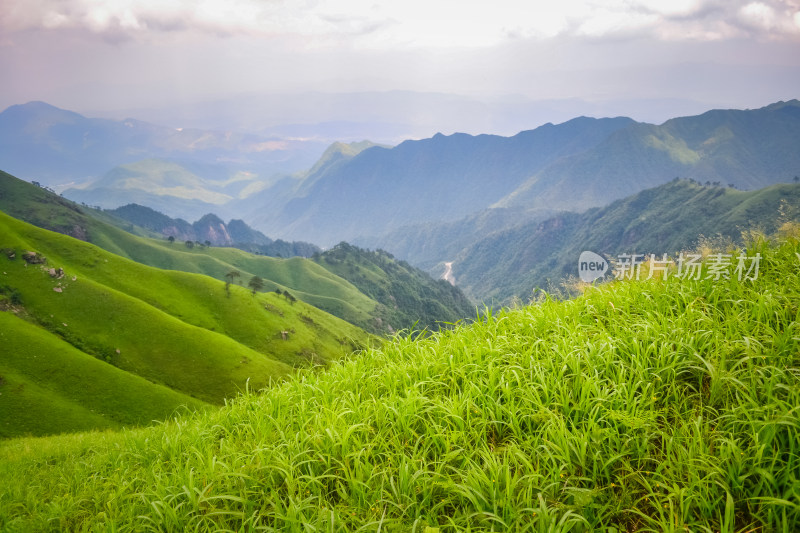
column 444, row 199
column 367, row 193
column 572, row 166
column 210, row 230
column 131, row 160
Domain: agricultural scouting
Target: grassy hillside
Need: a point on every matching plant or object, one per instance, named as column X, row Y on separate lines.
column 665, row 219
column 179, row 330
column 660, row 405
column 49, row 386
column 303, row 278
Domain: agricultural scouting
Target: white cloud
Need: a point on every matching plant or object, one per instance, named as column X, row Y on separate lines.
column 758, row 14
column 409, row 23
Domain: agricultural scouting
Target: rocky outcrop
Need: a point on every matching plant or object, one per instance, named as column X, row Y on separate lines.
column 33, row 258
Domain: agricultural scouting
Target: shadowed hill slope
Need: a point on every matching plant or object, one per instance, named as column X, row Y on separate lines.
column 666, row 219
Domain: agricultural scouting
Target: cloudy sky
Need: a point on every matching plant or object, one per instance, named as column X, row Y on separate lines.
column 116, row 56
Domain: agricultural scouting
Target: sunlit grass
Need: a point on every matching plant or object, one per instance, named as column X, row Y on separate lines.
column 660, row 405
column 114, row 343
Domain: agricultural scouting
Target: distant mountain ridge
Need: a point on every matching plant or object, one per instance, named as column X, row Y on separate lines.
column 572, row 166
column 63, row 149
column 366, row 193
column 210, row 229
column 436, row 179
column 747, row 149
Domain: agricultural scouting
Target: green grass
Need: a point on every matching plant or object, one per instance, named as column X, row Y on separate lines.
column 660, row 405
column 178, row 330
column 302, row 277
column 46, row 382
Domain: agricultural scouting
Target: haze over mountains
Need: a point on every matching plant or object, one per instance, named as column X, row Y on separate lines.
column 356, row 192
column 201, row 168
column 571, row 166
column 393, row 116
column 429, row 201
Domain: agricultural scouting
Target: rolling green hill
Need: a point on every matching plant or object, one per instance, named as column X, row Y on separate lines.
column 658, row 405
column 301, row 277
column 49, row 386
column 179, row 330
column 408, row 297
column 665, row 219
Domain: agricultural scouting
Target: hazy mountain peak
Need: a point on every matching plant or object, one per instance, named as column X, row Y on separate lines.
column 781, row 104
column 38, row 106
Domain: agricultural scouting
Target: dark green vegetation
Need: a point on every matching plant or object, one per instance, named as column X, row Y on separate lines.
column 91, row 339
column 408, row 297
column 303, row 278
column 660, row 405
column 665, row 219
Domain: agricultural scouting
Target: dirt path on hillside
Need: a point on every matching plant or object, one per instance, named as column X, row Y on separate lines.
column 448, row 273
